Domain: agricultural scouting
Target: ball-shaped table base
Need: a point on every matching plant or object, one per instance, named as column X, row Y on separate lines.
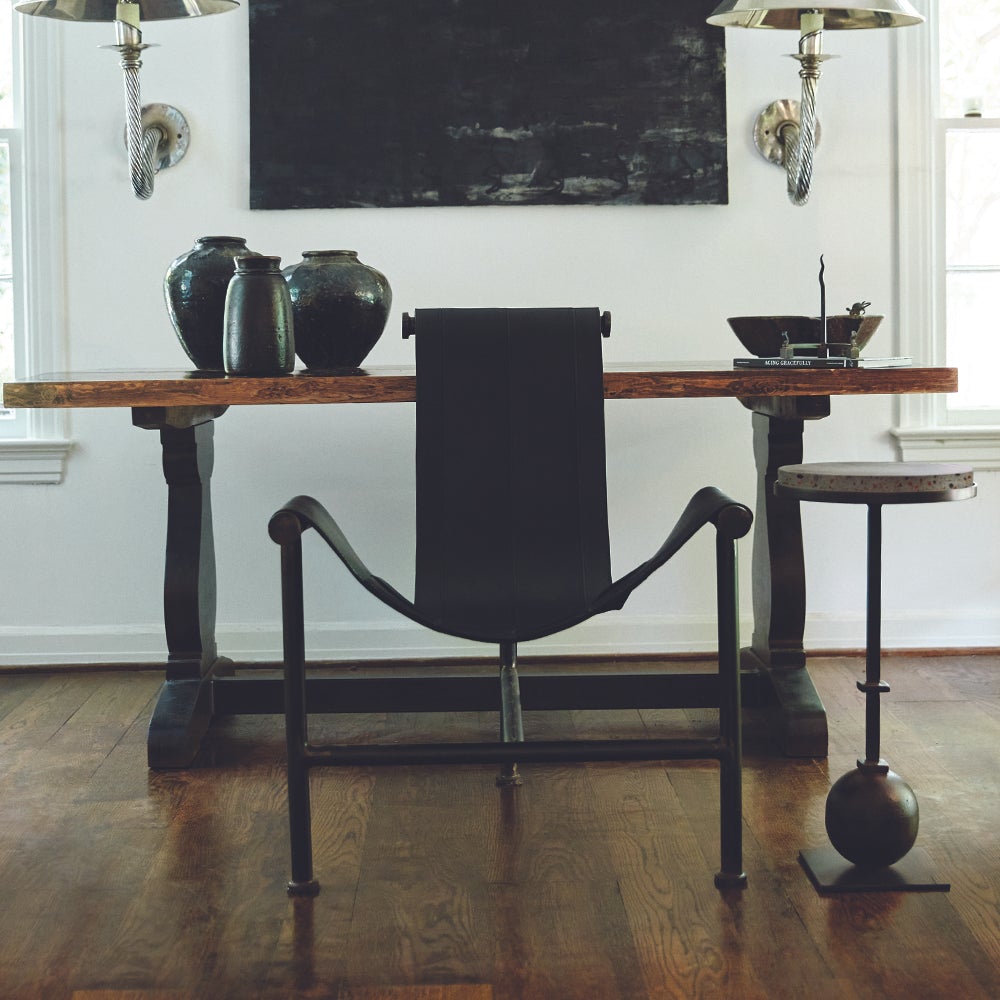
column 872, row 816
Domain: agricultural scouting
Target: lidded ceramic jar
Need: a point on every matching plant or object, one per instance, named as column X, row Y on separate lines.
column 259, row 328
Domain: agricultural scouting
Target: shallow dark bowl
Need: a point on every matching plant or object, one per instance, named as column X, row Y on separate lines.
column 761, row 335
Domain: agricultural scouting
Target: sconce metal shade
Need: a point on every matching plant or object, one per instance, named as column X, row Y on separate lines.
column 104, row 10
column 785, row 14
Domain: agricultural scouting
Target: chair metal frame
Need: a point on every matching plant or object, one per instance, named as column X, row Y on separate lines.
column 731, row 521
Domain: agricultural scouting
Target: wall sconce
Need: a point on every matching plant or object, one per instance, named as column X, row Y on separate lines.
column 156, row 135
column 786, row 132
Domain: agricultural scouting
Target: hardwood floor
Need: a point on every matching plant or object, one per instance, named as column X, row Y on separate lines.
column 591, row 882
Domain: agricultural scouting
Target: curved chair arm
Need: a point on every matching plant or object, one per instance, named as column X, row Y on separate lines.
column 732, row 520
column 709, row 505
column 303, row 512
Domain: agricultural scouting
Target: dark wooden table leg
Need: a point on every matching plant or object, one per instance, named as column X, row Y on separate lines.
column 779, row 582
column 184, row 708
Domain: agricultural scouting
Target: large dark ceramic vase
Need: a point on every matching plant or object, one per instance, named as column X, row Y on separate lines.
column 259, row 337
column 340, row 306
column 195, row 289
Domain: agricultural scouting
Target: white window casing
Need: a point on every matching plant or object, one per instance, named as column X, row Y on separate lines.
column 35, row 444
column 927, row 427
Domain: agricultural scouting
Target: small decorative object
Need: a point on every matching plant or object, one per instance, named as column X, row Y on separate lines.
column 340, row 306
column 798, row 340
column 259, row 329
column 972, row 107
column 195, row 289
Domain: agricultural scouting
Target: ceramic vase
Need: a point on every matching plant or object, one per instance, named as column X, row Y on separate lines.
column 259, row 337
column 195, row 289
column 340, row 306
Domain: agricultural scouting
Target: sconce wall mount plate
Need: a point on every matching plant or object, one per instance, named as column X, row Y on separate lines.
column 767, row 129
column 173, row 127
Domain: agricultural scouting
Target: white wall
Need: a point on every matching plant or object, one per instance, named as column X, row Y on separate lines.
column 83, row 560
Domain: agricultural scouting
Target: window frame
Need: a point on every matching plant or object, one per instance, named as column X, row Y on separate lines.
column 926, row 428
column 35, row 445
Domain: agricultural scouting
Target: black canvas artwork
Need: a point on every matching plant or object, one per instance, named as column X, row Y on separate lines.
column 471, row 102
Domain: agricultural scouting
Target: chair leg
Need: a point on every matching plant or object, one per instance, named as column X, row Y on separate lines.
column 296, row 733
column 731, row 873
column 511, row 723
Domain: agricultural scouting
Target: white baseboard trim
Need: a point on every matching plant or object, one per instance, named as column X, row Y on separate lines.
column 29, row 646
column 977, row 628
column 610, row 635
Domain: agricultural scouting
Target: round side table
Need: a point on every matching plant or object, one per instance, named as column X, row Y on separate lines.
column 871, row 813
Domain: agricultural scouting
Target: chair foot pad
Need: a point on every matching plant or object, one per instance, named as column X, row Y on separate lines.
column 726, row 880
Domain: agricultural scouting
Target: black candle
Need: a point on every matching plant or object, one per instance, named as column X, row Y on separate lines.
column 822, row 303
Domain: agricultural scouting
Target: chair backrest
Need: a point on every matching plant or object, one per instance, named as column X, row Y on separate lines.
column 512, row 520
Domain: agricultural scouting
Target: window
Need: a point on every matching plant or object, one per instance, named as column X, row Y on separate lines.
column 33, row 444
column 969, row 142
column 948, row 96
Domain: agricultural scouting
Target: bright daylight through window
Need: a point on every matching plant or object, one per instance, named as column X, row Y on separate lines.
column 969, row 141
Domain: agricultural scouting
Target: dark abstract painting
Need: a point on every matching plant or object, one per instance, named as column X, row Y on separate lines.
column 478, row 102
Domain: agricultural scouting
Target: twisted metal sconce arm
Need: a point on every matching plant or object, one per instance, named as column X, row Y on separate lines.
column 142, row 144
column 156, row 135
column 799, row 140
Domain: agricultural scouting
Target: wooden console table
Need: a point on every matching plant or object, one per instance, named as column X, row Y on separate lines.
column 199, row 683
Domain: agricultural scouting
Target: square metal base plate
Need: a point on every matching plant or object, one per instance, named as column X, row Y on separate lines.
column 829, row 872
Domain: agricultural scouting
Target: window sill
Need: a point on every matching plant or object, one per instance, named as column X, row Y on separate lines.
column 34, row 461
column 978, row 446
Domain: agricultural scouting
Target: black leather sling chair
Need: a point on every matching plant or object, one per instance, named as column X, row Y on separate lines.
column 512, row 545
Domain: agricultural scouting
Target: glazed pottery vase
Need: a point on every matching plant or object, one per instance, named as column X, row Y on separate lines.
column 259, row 337
column 195, row 289
column 340, row 306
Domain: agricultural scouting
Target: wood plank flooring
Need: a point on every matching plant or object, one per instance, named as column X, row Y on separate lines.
column 591, row 882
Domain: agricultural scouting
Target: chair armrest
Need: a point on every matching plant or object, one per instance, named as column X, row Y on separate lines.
column 731, row 518
column 303, row 512
column 709, row 505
